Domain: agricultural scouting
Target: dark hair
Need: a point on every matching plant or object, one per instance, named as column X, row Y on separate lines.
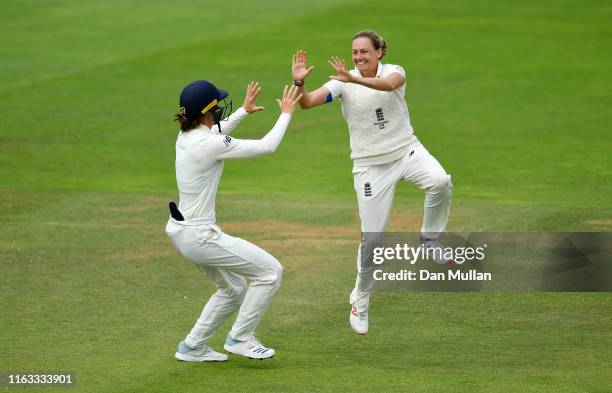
column 377, row 41
column 187, row 123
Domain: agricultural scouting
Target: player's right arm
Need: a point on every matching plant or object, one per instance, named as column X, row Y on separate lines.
column 299, row 72
column 228, row 147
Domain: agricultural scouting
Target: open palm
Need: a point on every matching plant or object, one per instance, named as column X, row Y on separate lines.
column 299, row 69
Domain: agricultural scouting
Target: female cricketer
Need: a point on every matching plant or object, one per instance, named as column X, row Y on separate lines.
column 246, row 276
column 384, row 150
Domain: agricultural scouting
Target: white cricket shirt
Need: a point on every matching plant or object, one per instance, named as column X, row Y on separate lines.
column 378, row 121
column 199, row 161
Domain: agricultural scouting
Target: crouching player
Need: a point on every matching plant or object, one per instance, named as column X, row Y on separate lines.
column 246, row 276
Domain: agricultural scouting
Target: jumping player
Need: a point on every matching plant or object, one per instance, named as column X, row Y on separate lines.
column 246, row 276
column 384, row 150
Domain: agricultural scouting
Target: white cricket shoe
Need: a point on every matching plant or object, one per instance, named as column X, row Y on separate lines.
column 435, row 251
column 200, row 354
column 252, row 349
column 359, row 321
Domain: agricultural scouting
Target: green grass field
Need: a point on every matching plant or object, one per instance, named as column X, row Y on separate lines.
column 512, row 98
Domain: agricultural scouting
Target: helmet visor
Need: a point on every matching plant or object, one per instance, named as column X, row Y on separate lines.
column 222, row 110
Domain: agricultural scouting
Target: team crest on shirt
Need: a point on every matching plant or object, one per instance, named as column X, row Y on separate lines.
column 227, row 140
column 380, row 118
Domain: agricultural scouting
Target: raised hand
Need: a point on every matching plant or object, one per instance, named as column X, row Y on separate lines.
column 290, row 99
column 252, row 92
column 342, row 73
column 299, row 70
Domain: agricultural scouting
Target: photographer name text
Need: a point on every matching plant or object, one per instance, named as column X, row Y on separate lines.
column 426, row 275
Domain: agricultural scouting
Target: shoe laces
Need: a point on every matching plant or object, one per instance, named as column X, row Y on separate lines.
column 362, row 314
column 255, row 342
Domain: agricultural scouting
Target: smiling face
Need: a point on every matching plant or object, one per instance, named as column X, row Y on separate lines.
column 365, row 56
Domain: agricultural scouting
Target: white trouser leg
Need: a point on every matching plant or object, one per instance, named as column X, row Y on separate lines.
column 231, row 260
column 375, row 187
column 230, row 294
column 423, row 170
column 264, row 283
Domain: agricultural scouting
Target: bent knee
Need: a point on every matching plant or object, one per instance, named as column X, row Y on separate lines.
column 272, row 275
column 278, row 273
column 441, row 183
column 235, row 293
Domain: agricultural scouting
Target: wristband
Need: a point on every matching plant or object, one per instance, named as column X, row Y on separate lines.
column 298, row 83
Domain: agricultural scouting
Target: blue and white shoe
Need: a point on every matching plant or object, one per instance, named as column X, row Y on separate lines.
column 252, row 349
column 200, row 354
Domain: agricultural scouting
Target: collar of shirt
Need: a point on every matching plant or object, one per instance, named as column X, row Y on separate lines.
column 205, row 129
column 378, row 70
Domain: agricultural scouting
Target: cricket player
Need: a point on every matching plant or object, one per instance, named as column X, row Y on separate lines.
column 246, row 276
column 384, row 150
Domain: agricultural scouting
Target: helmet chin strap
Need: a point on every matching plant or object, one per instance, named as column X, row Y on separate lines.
column 217, row 119
column 219, row 112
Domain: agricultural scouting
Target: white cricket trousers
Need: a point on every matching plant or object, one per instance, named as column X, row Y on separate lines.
column 246, row 276
column 375, row 188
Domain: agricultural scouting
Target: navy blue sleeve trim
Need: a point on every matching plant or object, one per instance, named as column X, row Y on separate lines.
column 329, row 98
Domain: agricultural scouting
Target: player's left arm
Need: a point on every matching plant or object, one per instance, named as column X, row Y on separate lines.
column 387, row 83
column 249, row 106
